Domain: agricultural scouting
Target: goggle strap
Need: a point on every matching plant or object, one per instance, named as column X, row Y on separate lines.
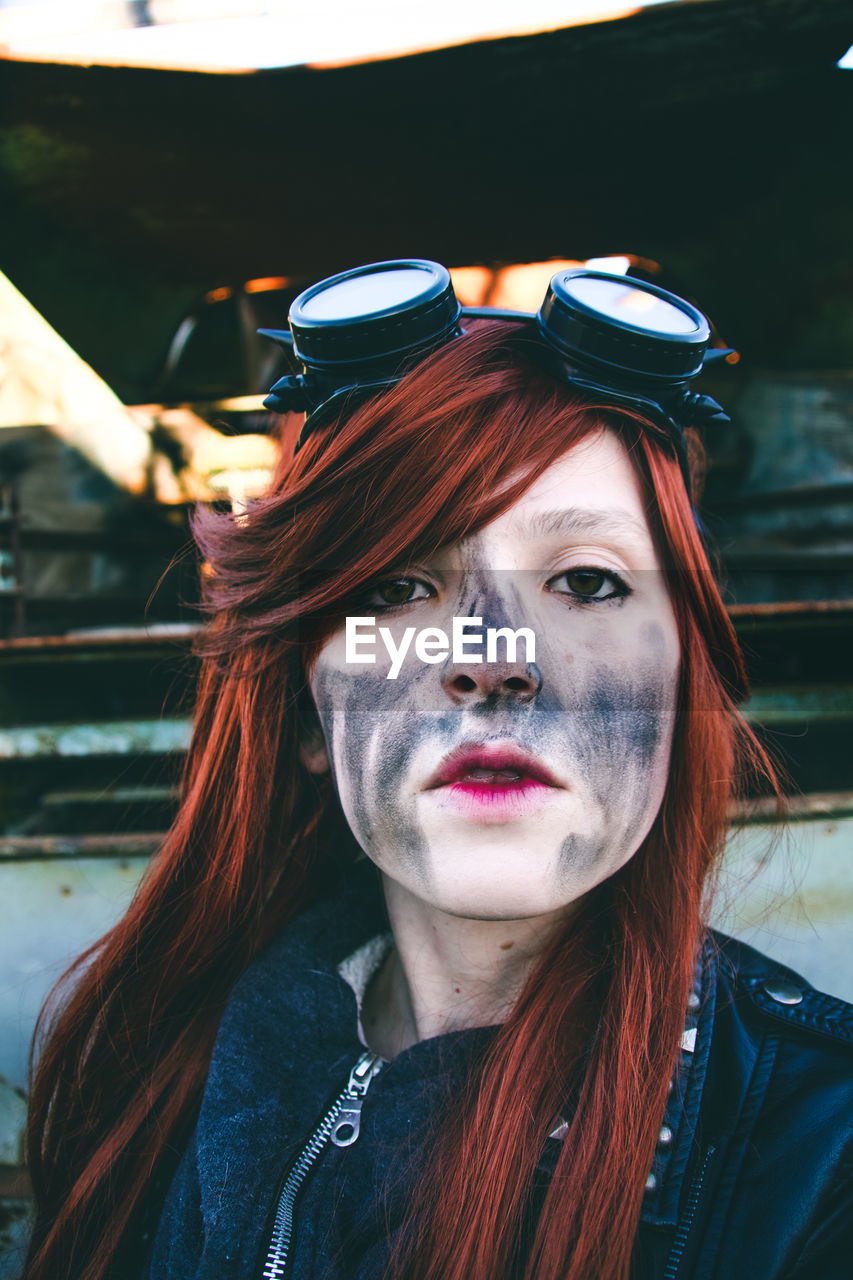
column 496, row 313
column 289, row 394
column 335, row 402
column 696, row 410
column 283, row 337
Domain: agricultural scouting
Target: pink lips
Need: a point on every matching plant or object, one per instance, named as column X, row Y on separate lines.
column 493, row 781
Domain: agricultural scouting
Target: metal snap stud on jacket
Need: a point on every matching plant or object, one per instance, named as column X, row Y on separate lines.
column 783, row 992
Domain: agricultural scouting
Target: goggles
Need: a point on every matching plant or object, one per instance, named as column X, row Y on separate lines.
column 623, row 340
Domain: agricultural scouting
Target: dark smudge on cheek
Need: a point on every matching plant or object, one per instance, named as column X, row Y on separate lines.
column 382, row 719
column 580, row 853
column 620, row 739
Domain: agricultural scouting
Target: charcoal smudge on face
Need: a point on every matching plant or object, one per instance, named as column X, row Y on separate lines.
column 622, row 747
column 494, row 597
column 369, row 768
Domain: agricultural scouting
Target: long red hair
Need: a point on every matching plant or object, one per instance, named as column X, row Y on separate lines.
column 124, row 1057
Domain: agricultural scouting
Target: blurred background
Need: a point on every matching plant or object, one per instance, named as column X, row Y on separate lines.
column 173, row 172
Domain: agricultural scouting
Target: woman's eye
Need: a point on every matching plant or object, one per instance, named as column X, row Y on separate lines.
column 589, row 584
column 396, row 591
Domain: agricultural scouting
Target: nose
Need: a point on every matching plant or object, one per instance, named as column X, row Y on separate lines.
column 471, row 682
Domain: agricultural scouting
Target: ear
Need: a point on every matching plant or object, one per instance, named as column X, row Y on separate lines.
column 313, row 754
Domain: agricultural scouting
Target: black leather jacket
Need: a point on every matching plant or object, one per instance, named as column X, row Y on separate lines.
column 752, row 1180
column 757, row 1181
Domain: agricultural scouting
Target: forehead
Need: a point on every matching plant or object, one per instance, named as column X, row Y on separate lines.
column 592, row 491
column 595, row 474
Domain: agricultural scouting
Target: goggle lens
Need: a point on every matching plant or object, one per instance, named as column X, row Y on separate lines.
column 367, row 295
column 371, row 318
column 624, row 302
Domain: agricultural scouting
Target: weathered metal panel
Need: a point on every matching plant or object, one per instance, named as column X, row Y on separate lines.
column 794, row 899
column 52, row 909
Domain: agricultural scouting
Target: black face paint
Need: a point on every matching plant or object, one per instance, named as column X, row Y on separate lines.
column 370, row 784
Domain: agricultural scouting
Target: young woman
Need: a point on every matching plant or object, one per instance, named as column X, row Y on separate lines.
column 419, row 985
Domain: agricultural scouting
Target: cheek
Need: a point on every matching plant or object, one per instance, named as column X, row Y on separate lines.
column 622, row 728
column 373, row 726
column 636, row 700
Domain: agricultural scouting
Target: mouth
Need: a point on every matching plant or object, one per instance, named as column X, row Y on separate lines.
column 491, row 768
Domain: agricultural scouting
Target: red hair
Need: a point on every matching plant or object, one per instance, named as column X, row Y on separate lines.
column 257, row 838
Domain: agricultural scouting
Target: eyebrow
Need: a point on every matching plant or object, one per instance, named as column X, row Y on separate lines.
column 575, row 521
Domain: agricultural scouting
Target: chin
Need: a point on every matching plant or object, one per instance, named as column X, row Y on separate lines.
column 501, row 896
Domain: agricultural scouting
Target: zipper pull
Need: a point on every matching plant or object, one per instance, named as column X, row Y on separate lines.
column 346, row 1127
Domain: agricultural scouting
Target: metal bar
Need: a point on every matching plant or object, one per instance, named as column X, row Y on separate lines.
column 111, row 795
column 35, row 848
column 101, row 638
column 110, row 738
column 800, row 704
column 785, row 608
column 816, row 806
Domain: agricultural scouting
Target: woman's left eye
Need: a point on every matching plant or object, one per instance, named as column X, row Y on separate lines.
column 589, row 584
column 397, row 591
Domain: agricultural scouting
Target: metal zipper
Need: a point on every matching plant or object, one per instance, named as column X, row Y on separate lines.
column 682, row 1231
column 340, row 1126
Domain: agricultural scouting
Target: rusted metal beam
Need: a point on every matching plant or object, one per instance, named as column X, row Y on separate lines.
column 101, row 644
column 817, row 616
column 806, row 808
column 775, row 609
column 39, row 848
column 14, row 1183
column 125, row 639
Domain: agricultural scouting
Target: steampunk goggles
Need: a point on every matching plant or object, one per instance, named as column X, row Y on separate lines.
column 627, row 341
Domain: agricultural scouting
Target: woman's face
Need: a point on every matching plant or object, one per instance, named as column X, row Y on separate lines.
column 507, row 789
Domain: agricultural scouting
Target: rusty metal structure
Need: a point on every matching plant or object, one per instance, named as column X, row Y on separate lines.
column 136, row 206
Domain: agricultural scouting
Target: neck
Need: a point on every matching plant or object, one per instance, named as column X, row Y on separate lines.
column 448, row 973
